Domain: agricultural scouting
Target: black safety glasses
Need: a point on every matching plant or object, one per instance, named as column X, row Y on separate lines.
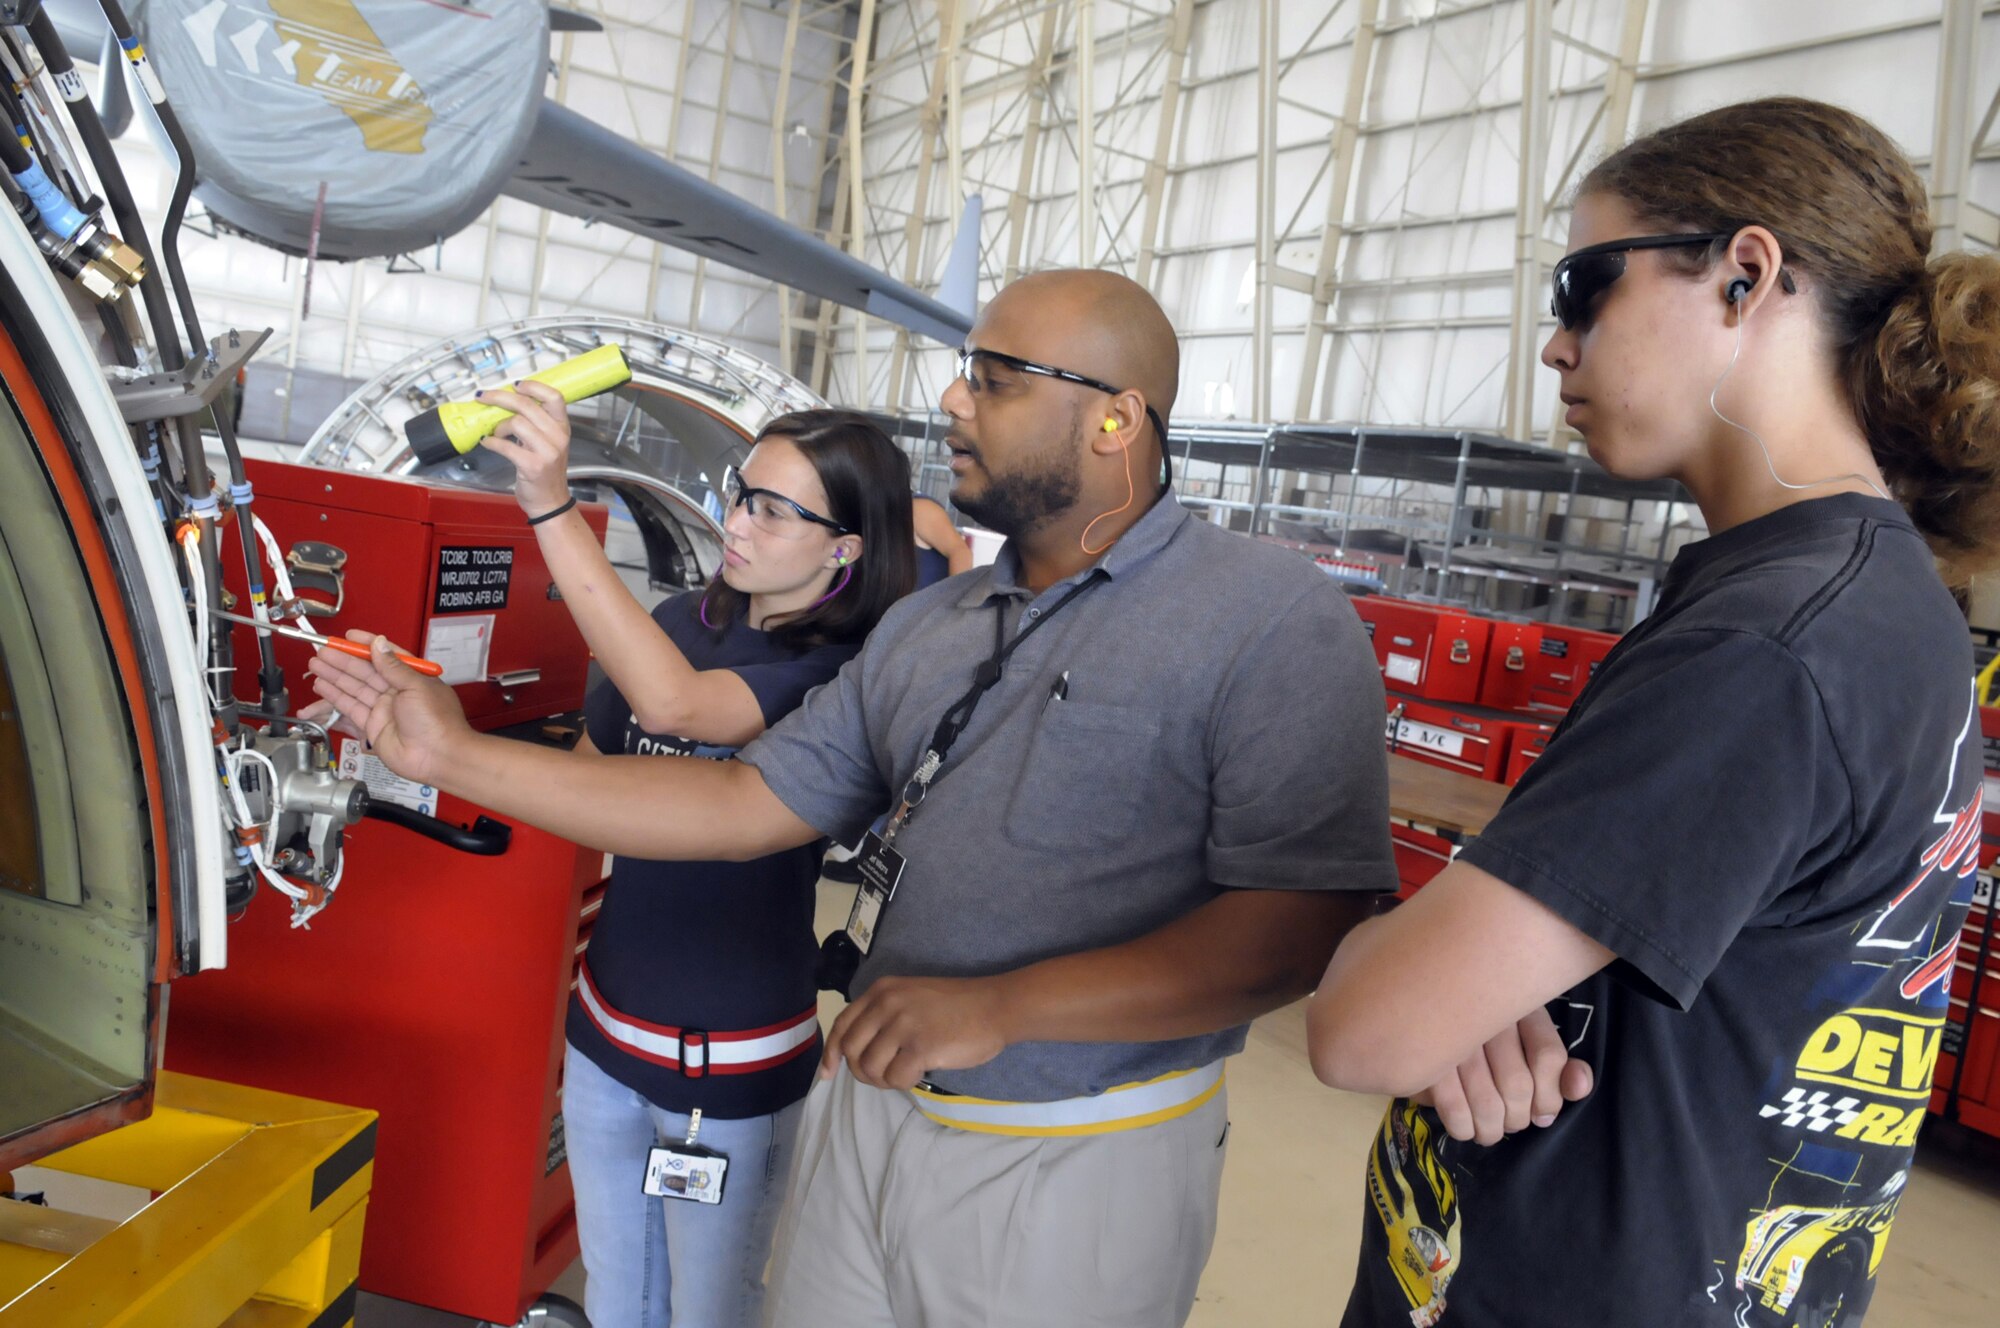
column 1584, row 275
column 773, row 511
column 974, row 366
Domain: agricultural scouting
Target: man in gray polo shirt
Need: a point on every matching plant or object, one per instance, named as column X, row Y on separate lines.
column 1153, row 824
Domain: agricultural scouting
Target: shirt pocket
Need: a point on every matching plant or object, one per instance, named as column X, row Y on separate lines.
column 1084, row 777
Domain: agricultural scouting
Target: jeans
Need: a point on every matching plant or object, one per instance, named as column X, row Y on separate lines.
column 648, row 1262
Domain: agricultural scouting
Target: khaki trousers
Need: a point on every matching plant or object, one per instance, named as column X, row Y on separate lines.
column 895, row 1221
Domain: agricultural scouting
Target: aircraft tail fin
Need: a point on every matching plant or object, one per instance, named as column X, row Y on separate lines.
column 959, row 290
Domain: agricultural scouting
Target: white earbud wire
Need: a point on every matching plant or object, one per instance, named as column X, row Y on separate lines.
column 1781, row 481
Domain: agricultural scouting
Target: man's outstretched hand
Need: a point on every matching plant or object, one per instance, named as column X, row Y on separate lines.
column 410, row 721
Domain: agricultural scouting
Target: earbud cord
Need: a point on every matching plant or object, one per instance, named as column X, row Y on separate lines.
column 1131, row 496
column 1781, row 481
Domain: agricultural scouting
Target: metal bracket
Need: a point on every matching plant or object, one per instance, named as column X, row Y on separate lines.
column 192, row 388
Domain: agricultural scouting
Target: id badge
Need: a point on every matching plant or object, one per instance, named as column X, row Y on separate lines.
column 686, row 1171
column 880, row 868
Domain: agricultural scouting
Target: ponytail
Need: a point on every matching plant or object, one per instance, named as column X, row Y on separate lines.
column 1926, row 389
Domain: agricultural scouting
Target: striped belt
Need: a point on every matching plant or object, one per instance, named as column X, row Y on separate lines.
column 698, row 1052
column 1126, row 1107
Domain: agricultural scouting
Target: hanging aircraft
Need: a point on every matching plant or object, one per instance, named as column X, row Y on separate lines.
column 367, row 128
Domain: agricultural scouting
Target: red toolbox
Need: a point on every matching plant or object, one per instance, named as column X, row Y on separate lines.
column 1420, row 856
column 1970, row 1093
column 1510, row 659
column 1564, row 665
column 1424, row 649
column 1472, row 744
column 433, row 987
column 1530, row 741
column 454, row 574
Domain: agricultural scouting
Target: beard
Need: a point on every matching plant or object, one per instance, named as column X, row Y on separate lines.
column 1043, row 488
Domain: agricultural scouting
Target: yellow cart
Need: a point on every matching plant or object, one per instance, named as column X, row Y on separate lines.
column 256, row 1223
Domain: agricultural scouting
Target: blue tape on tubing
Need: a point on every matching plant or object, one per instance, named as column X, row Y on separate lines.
column 57, row 211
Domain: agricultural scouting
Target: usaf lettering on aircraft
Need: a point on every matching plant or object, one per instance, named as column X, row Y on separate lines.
column 599, row 198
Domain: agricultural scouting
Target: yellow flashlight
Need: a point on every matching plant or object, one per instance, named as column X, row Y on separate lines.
column 456, row 427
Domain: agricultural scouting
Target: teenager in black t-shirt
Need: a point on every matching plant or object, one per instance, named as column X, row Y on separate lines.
column 697, row 991
column 1738, row 875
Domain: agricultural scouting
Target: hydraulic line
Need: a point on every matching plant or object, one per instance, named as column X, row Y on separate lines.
column 36, row 112
column 270, row 677
column 118, row 194
column 17, row 121
column 44, row 208
column 63, row 256
column 121, row 27
column 206, row 512
column 14, row 155
column 122, row 349
column 111, row 178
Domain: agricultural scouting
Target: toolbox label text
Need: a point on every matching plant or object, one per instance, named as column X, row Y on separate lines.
column 473, row 578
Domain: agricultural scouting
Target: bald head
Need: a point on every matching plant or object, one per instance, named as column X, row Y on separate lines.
column 1091, row 322
column 1043, row 460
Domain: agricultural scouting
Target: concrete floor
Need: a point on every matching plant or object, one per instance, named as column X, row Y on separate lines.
column 1291, row 1212
column 1292, row 1197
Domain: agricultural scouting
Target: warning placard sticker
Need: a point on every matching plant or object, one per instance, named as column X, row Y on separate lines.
column 384, row 784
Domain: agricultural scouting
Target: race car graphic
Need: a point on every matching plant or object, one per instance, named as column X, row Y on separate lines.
column 1422, row 1227
column 1803, row 1265
column 1910, row 918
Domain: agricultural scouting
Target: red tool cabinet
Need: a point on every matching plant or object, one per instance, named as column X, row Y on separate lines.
column 1420, row 856
column 1526, row 749
column 1966, row 1086
column 1970, row 1092
column 1563, row 665
column 1467, row 741
column 432, row 988
column 1511, row 656
column 1424, row 650
column 425, row 564
column 1443, row 654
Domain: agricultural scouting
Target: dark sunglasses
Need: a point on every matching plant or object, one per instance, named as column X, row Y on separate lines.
column 968, row 369
column 771, row 510
column 1581, row 277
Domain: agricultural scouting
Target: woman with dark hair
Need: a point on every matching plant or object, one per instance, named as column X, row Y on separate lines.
column 694, row 1026
column 1739, row 872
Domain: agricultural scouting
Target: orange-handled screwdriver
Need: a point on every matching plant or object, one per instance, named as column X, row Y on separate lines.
column 429, row 667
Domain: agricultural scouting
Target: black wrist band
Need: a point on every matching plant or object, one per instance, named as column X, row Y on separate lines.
column 552, row 515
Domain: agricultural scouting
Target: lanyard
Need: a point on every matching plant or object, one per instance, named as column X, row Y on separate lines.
column 984, row 679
